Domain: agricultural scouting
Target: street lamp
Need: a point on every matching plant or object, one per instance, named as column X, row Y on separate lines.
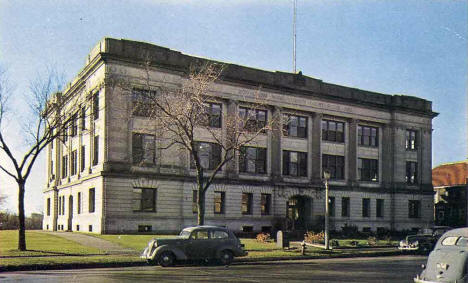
column 326, row 176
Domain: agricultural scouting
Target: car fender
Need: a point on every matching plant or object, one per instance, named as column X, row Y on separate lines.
column 179, row 254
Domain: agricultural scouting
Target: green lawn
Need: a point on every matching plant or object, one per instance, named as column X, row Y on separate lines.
column 136, row 242
column 39, row 243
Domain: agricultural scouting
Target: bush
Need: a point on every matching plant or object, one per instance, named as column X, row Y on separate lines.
column 314, row 238
column 350, row 230
column 263, row 237
column 372, row 241
column 334, row 243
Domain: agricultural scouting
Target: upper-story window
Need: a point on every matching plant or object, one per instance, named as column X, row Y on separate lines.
column 411, row 172
column 332, row 131
column 368, row 136
column 212, row 117
column 143, row 149
column 143, row 102
column 74, row 125
column 252, row 160
column 368, row 169
column 209, row 154
column 252, row 120
column 83, row 118
column 294, row 126
column 294, row 163
column 335, row 165
column 411, row 140
column 96, row 105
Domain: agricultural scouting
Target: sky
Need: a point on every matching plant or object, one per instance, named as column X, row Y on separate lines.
column 411, row 47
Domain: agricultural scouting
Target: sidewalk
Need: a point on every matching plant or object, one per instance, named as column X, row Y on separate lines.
column 107, row 247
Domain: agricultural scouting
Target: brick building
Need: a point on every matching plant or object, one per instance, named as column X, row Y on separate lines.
column 377, row 147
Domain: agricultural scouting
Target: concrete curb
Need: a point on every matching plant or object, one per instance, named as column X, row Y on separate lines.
column 237, row 261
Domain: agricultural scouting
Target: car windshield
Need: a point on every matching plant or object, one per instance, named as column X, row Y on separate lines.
column 425, row 231
column 184, row 234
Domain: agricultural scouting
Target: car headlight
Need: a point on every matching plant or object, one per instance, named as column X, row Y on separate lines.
column 414, row 244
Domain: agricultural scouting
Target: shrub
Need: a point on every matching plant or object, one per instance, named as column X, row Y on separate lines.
column 372, row 241
column 350, row 230
column 334, row 243
column 263, row 237
column 354, row 243
column 311, row 237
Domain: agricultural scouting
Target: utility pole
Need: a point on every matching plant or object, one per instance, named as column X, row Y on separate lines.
column 294, row 36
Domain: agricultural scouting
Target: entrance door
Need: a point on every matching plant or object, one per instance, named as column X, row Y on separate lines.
column 297, row 213
column 70, row 213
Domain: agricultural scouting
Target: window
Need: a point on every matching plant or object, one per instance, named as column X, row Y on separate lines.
column 78, row 204
column 216, row 234
column 209, row 154
column 143, row 149
column 73, row 125
column 200, row 235
column 332, row 131
column 335, row 164
column 90, row 228
column 143, row 102
column 246, row 203
column 91, row 200
column 252, row 160
column 63, row 205
column 253, row 120
column 48, row 207
column 368, row 136
column 345, row 205
column 64, row 166
column 368, row 169
column 366, row 207
column 379, row 208
column 331, row 206
column 195, row 201
column 144, row 199
column 265, row 204
column 411, row 172
column 52, row 176
column 83, row 118
column 77, row 227
column 294, row 126
column 96, row 105
column 212, row 117
column 83, row 158
column 219, row 202
column 294, row 163
column 96, row 150
column 59, row 205
column 414, row 208
column 411, row 140
column 74, row 157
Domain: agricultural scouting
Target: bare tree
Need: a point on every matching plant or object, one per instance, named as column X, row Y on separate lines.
column 45, row 121
column 183, row 117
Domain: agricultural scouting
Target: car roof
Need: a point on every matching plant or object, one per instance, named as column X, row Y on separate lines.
column 205, row 227
column 457, row 232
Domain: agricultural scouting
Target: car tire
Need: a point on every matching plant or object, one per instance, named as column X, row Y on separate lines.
column 166, row 259
column 226, row 257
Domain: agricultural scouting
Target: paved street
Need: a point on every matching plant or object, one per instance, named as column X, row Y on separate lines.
column 383, row 269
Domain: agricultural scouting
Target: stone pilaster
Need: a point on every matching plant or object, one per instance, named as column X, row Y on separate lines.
column 231, row 111
column 351, row 158
column 316, row 152
column 275, row 144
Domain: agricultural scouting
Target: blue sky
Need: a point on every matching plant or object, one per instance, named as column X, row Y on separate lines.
column 413, row 47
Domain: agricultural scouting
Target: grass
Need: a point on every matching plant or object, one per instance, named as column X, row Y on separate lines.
column 40, row 244
column 136, row 242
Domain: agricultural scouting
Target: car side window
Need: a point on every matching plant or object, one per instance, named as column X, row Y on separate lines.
column 219, row 235
column 449, row 241
column 462, row 242
column 200, row 235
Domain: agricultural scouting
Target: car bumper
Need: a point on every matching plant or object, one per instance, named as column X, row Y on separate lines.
column 419, row 280
column 408, row 248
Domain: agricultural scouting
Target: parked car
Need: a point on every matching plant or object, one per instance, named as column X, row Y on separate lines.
column 424, row 240
column 195, row 243
column 448, row 262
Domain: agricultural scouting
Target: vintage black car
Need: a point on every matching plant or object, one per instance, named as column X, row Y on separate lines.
column 448, row 262
column 424, row 241
column 195, row 243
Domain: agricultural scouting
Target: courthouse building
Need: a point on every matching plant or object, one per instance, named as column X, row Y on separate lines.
column 376, row 146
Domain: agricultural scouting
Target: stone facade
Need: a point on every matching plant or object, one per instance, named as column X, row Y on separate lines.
column 102, row 194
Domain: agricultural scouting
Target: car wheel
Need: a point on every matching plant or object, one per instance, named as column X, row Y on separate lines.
column 166, row 259
column 226, row 257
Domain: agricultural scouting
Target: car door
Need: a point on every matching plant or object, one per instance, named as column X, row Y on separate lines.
column 197, row 246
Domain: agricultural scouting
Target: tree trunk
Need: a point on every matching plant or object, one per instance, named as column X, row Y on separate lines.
column 21, row 230
column 201, row 206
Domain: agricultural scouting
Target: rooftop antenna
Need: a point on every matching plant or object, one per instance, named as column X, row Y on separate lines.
column 294, row 37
